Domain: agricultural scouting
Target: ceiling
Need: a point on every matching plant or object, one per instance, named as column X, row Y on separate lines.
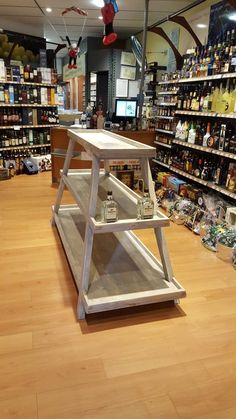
column 30, row 16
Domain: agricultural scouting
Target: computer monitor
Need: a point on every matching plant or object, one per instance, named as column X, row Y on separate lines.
column 126, row 109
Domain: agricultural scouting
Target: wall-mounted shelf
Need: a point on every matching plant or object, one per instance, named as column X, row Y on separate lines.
column 206, row 114
column 163, row 144
column 205, row 149
column 165, row 131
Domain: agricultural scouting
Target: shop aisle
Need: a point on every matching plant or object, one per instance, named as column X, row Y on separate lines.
column 158, row 362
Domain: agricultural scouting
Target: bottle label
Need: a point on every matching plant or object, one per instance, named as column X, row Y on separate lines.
column 110, row 214
column 147, row 210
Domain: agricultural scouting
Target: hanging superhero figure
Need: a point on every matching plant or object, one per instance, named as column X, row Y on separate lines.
column 73, row 51
column 108, row 13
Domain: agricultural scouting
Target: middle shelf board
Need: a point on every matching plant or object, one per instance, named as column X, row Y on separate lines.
column 122, row 272
column 79, row 183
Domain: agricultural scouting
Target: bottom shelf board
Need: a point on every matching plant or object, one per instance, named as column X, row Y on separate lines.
column 123, row 272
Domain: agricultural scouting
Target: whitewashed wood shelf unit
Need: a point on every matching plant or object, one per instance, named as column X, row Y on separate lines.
column 112, row 268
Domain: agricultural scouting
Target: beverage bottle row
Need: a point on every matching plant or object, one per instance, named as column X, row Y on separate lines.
column 217, row 135
column 24, row 137
column 196, row 164
column 167, row 125
column 209, row 59
column 165, row 111
column 29, row 74
column 217, row 97
column 13, row 160
column 28, row 116
column 22, row 95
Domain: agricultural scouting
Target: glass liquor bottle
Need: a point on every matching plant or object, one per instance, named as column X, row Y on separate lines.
column 145, row 208
column 109, row 210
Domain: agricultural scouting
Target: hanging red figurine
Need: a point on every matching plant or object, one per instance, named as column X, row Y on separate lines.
column 73, row 48
column 108, row 13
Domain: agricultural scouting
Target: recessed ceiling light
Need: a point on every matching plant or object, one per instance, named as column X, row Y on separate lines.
column 201, row 25
column 232, row 16
column 100, row 17
column 98, row 3
column 48, row 9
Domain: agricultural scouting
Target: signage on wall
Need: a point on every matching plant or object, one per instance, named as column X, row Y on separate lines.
column 222, row 19
column 43, row 57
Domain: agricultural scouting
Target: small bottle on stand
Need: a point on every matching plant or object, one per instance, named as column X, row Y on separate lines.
column 145, row 209
column 109, row 210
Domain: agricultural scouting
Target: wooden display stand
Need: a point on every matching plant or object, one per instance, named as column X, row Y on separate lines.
column 111, row 266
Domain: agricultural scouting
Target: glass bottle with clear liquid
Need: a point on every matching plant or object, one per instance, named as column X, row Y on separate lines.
column 145, row 208
column 109, row 209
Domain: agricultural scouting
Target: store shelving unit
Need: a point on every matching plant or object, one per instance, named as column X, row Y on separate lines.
column 174, row 84
column 111, row 266
column 16, row 126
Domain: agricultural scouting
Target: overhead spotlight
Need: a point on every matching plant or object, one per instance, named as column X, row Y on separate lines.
column 201, row 25
column 98, row 3
column 232, row 16
column 48, row 9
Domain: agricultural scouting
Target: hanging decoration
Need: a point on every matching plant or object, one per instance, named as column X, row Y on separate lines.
column 73, row 48
column 108, row 13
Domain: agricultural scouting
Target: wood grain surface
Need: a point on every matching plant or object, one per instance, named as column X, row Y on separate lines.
column 160, row 362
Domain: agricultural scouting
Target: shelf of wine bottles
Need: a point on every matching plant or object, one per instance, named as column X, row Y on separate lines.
column 12, row 159
column 28, row 116
column 24, row 137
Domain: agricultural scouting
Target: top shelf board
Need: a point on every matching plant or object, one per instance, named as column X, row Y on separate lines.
column 105, row 145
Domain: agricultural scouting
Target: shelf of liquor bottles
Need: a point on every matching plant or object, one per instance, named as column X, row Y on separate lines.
column 208, row 184
column 204, row 149
column 207, row 114
column 215, row 77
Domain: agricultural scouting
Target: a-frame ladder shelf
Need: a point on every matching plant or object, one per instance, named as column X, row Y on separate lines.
column 111, row 266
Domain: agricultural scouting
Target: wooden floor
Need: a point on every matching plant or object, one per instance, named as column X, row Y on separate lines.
column 159, row 362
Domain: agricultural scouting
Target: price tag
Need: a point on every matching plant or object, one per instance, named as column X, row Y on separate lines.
column 17, row 128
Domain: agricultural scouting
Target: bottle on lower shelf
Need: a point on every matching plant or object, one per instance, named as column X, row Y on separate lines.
column 145, row 207
column 109, row 210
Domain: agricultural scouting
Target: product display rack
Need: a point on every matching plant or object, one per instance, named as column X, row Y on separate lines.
column 208, row 150
column 16, row 126
column 111, row 266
